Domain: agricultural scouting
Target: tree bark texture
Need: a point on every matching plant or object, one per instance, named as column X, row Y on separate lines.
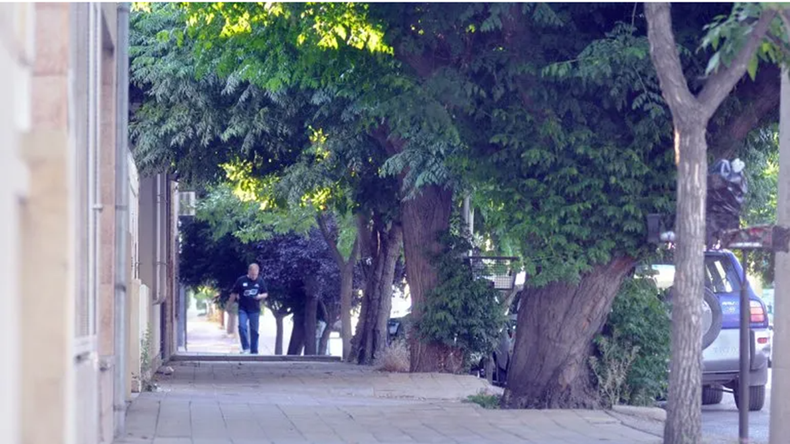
column 425, row 218
column 371, row 335
column 278, row 339
column 310, row 310
column 690, row 116
column 346, row 297
column 556, row 327
column 296, row 344
column 684, row 414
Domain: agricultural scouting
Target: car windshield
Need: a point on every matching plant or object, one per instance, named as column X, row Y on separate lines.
column 720, row 276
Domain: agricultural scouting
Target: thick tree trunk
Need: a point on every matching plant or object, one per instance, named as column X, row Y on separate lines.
column 296, row 344
column 310, row 326
column 555, row 373
column 684, row 409
column 425, row 218
column 278, row 338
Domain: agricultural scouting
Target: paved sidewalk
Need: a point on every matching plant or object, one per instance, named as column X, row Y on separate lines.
column 233, row 403
column 205, row 336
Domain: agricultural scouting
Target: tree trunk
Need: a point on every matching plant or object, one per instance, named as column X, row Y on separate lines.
column 555, row 373
column 371, row 255
column 310, row 326
column 684, row 409
column 425, row 218
column 346, row 282
column 391, row 253
column 296, row 344
column 346, row 297
column 690, row 117
column 278, row 338
column 371, row 336
column 331, row 318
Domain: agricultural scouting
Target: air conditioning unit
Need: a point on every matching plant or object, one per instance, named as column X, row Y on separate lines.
column 187, row 202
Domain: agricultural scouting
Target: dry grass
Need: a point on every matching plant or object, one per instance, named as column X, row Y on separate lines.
column 395, row 358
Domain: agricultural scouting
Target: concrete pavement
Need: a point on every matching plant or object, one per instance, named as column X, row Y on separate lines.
column 241, row 403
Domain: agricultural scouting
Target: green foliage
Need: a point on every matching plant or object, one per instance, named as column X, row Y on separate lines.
column 488, row 402
column 193, row 121
column 761, row 155
column 727, row 34
column 631, row 364
column 461, row 311
column 569, row 187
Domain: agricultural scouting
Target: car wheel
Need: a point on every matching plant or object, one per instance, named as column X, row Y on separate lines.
column 711, row 316
column 712, row 395
column 756, row 398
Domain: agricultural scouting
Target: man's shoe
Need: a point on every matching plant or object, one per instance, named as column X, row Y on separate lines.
column 245, row 352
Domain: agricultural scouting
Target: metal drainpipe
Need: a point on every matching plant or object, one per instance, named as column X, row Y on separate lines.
column 121, row 214
column 158, row 291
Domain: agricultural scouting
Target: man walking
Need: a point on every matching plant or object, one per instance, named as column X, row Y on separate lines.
column 250, row 290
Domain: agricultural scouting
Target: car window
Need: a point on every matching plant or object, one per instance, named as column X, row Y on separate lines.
column 720, row 275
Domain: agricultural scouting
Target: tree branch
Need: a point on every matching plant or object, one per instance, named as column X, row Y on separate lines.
column 761, row 103
column 663, row 51
column 330, row 241
column 720, row 84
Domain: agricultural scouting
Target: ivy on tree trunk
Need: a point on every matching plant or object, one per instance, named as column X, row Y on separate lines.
column 690, row 116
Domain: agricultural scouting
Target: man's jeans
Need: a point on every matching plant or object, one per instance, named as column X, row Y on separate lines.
column 249, row 342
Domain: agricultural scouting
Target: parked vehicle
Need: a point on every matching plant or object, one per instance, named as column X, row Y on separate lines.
column 495, row 366
column 396, row 328
column 721, row 335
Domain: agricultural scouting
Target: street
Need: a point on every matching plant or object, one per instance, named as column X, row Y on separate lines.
column 721, row 421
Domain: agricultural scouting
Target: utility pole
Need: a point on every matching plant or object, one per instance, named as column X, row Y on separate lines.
column 780, row 389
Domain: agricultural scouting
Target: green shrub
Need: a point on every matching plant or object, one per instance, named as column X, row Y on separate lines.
column 611, row 367
column 637, row 332
column 461, row 312
column 485, row 401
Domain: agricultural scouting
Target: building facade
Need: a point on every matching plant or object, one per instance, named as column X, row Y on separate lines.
column 88, row 253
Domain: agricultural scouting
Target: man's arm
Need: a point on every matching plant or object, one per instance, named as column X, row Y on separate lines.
column 264, row 292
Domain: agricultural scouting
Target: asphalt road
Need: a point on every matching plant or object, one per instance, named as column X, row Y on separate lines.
column 720, row 422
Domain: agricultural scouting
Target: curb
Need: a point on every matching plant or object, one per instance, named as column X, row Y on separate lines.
column 648, row 420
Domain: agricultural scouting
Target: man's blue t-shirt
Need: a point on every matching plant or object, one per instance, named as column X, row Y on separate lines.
column 248, row 289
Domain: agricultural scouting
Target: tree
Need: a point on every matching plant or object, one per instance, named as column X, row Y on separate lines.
column 690, row 115
column 462, row 97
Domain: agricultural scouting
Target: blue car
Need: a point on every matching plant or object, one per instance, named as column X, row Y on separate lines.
column 721, row 336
